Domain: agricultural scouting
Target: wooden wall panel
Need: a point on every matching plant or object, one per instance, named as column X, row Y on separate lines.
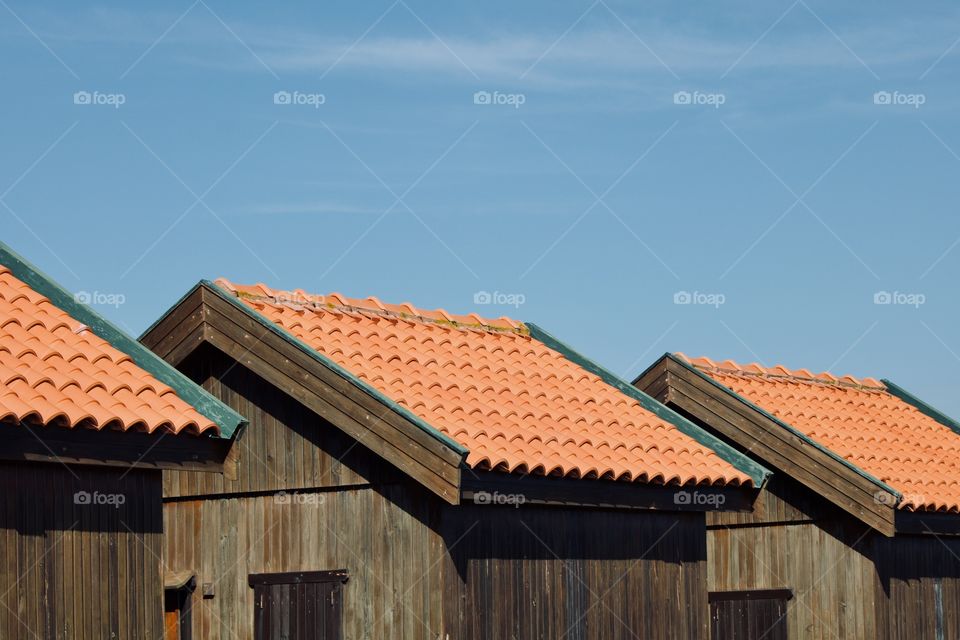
column 795, row 540
column 542, row 572
column 382, row 537
column 920, row 582
column 71, row 570
column 834, row 585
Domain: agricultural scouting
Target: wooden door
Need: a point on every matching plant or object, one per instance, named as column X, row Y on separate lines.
column 749, row 615
column 298, row 606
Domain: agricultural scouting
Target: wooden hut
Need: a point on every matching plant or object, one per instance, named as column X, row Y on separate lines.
column 413, row 474
column 855, row 535
column 88, row 417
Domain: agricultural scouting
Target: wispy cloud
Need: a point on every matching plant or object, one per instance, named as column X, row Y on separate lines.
column 309, row 208
column 598, row 52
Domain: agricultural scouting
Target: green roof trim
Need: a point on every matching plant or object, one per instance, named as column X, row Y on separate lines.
column 336, row 368
column 226, row 418
column 757, row 472
column 794, row 431
column 921, row 406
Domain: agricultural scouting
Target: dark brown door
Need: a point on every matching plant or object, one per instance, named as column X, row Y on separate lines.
column 298, row 606
column 749, row 615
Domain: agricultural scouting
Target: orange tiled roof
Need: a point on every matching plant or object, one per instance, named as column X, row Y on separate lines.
column 54, row 371
column 513, row 403
column 860, row 420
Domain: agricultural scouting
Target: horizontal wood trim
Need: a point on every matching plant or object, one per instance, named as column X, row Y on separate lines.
column 498, row 489
column 755, row 594
column 298, row 577
column 183, row 452
column 770, row 442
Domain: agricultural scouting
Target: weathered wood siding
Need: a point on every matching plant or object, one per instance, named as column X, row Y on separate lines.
column 381, row 536
column 920, row 584
column 419, row 568
column 71, row 570
column 791, row 541
column 545, row 573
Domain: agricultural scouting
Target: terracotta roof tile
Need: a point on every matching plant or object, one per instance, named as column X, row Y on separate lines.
column 860, row 420
column 55, row 371
column 514, row 403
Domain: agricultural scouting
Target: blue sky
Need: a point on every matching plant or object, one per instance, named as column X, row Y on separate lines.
column 628, row 155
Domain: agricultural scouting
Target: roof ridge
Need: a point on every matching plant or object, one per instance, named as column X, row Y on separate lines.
column 781, row 372
column 372, row 306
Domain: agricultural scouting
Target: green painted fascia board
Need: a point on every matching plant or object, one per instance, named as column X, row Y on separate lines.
column 336, row 368
column 921, row 406
column 757, row 472
column 793, row 431
column 226, row 418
